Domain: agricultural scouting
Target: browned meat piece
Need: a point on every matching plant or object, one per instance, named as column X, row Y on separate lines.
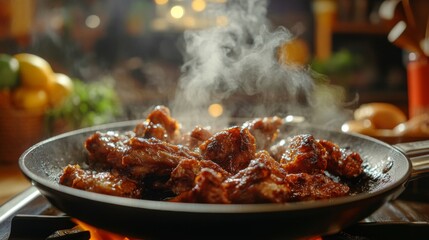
column 260, row 182
column 342, row 162
column 201, row 134
column 106, row 149
column 306, row 187
column 158, row 124
column 153, row 156
column 304, row 155
column 182, row 178
column 148, row 129
column 263, row 182
column 207, row 189
column 134, row 155
column 275, row 167
column 197, row 136
column 232, row 148
column 111, row 183
column 277, row 150
column 265, row 130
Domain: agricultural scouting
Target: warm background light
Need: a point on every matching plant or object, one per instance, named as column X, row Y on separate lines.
column 177, row 12
column 215, row 110
column 161, row 2
column 198, row 5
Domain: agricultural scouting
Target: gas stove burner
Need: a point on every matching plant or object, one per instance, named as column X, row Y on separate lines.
column 46, row 227
column 63, row 227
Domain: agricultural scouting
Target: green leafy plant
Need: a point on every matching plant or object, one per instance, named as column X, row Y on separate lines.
column 90, row 104
column 341, row 62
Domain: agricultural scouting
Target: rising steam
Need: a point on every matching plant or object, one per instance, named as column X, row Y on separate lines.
column 237, row 65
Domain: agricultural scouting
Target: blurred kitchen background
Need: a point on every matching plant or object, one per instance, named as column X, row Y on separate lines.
column 125, row 56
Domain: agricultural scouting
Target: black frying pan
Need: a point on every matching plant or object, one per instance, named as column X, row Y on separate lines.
column 387, row 172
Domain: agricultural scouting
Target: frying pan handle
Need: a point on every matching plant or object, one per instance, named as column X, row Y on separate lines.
column 411, row 149
column 418, row 153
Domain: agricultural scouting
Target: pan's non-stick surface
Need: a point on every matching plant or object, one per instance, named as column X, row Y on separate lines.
column 386, row 172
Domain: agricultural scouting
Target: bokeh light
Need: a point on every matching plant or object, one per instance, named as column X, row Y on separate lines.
column 92, row 21
column 198, row 5
column 161, row 2
column 177, row 12
column 215, row 110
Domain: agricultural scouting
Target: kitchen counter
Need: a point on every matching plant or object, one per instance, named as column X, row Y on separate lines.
column 12, row 182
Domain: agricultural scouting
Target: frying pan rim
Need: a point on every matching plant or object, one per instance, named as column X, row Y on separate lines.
column 200, row 207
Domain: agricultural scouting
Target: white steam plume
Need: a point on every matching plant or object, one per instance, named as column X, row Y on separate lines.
column 237, row 65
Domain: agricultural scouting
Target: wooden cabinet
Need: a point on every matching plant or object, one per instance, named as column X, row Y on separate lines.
column 328, row 22
column 360, row 28
column 382, row 74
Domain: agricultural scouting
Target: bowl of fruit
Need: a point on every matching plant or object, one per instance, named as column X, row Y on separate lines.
column 28, row 89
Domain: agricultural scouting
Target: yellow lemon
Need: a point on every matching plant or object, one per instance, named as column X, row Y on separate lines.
column 60, row 89
column 30, row 98
column 34, row 71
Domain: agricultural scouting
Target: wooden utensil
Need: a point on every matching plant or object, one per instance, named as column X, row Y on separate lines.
column 402, row 36
column 424, row 42
column 420, row 11
column 414, row 24
column 391, row 11
column 409, row 13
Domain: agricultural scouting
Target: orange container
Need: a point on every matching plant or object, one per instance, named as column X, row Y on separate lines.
column 19, row 130
column 325, row 14
column 418, row 87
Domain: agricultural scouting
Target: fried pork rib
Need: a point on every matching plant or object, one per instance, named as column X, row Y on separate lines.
column 264, row 180
column 342, row 162
column 232, row 148
column 138, row 156
column 265, row 130
column 183, row 176
column 158, row 124
column 207, row 188
column 111, row 183
column 304, row 155
column 194, row 138
column 153, row 156
column 239, row 164
column 107, row 149
column 261, row 181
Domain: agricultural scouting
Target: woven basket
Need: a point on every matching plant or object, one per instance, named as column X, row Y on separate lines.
column 19, row 130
